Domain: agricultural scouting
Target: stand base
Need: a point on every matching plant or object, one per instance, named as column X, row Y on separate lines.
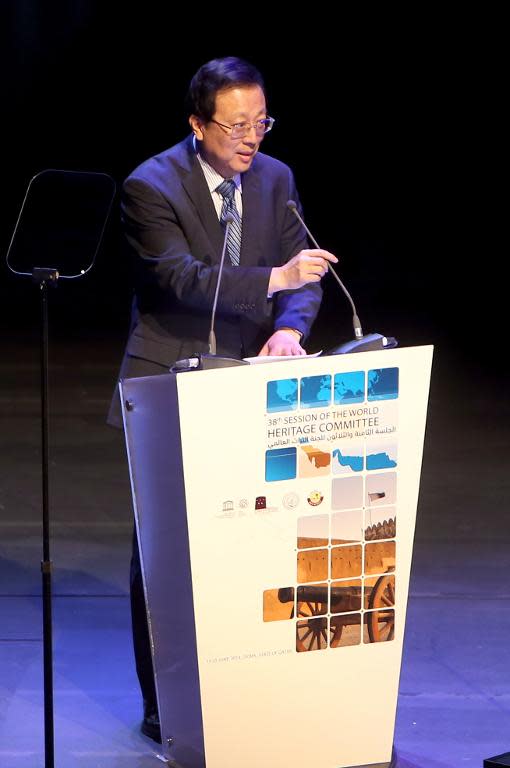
column 208, row 362
column 498, row 761
column 367, row 343
column 205, row 362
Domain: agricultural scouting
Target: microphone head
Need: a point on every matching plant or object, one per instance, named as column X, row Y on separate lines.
column 291, row 205
column 228, row 218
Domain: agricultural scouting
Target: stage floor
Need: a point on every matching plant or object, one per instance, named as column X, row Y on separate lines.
column 454, row 702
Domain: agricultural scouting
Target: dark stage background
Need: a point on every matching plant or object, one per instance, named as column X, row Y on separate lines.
column 93, row 86
column 382, row 120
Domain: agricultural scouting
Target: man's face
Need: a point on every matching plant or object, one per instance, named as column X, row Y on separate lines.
column 236, row 105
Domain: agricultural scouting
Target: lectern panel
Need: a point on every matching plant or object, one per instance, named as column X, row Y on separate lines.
column 284, row 483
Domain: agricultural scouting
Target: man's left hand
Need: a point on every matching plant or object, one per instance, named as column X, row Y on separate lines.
column 283, row 343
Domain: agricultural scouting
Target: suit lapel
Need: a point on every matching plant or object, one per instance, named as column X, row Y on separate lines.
column 194, row 183
column 197, row 190
column 251, row 239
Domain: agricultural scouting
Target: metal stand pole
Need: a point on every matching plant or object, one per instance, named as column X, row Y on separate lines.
column 83, row 201
column 42, row 277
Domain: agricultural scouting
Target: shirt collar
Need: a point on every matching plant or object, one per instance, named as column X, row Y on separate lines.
column 212, row 177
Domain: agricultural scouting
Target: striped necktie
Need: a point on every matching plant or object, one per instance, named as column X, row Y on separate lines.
column 227, row 190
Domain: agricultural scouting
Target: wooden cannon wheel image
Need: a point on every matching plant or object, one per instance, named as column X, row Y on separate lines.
column 314, row 632
column 345, row 594
column 381, row 622
column 312, row 635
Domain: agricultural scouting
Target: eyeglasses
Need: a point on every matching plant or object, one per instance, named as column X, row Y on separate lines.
column 240, row 130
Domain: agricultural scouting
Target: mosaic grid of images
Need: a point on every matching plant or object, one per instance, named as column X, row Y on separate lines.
column 344, row 585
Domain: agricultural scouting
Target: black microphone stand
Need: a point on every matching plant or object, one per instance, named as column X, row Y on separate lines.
column 44, row 277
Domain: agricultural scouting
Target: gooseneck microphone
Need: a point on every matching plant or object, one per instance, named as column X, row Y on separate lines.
column 227, row 220
column 210, row 360
column 358, row 331
column 360, row 343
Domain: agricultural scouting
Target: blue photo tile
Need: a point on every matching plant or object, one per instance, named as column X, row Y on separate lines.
column 382, row 455
column 280, row 464
column 344, row 462
column 349, row 387
column 383, row 384
column 380, row 461
column 282, row 395
column 315, row 391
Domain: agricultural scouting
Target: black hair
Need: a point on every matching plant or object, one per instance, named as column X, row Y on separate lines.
column 218, row 75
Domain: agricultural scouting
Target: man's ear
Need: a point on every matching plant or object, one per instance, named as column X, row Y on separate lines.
column 196, row 126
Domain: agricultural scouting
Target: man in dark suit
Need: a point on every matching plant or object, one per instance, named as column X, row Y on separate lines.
column 174, row 207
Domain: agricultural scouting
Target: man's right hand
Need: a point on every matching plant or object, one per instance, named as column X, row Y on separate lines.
column 307, row 266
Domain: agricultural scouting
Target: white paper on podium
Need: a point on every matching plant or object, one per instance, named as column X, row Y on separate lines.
column 278, row 358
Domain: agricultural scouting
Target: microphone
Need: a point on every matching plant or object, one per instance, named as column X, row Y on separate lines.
column 358, row 331
column 227, row 220
column 210, row 360
column 207, row 361
column 361, row 342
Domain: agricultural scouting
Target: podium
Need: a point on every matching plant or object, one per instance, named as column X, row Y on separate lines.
column 275, row 506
